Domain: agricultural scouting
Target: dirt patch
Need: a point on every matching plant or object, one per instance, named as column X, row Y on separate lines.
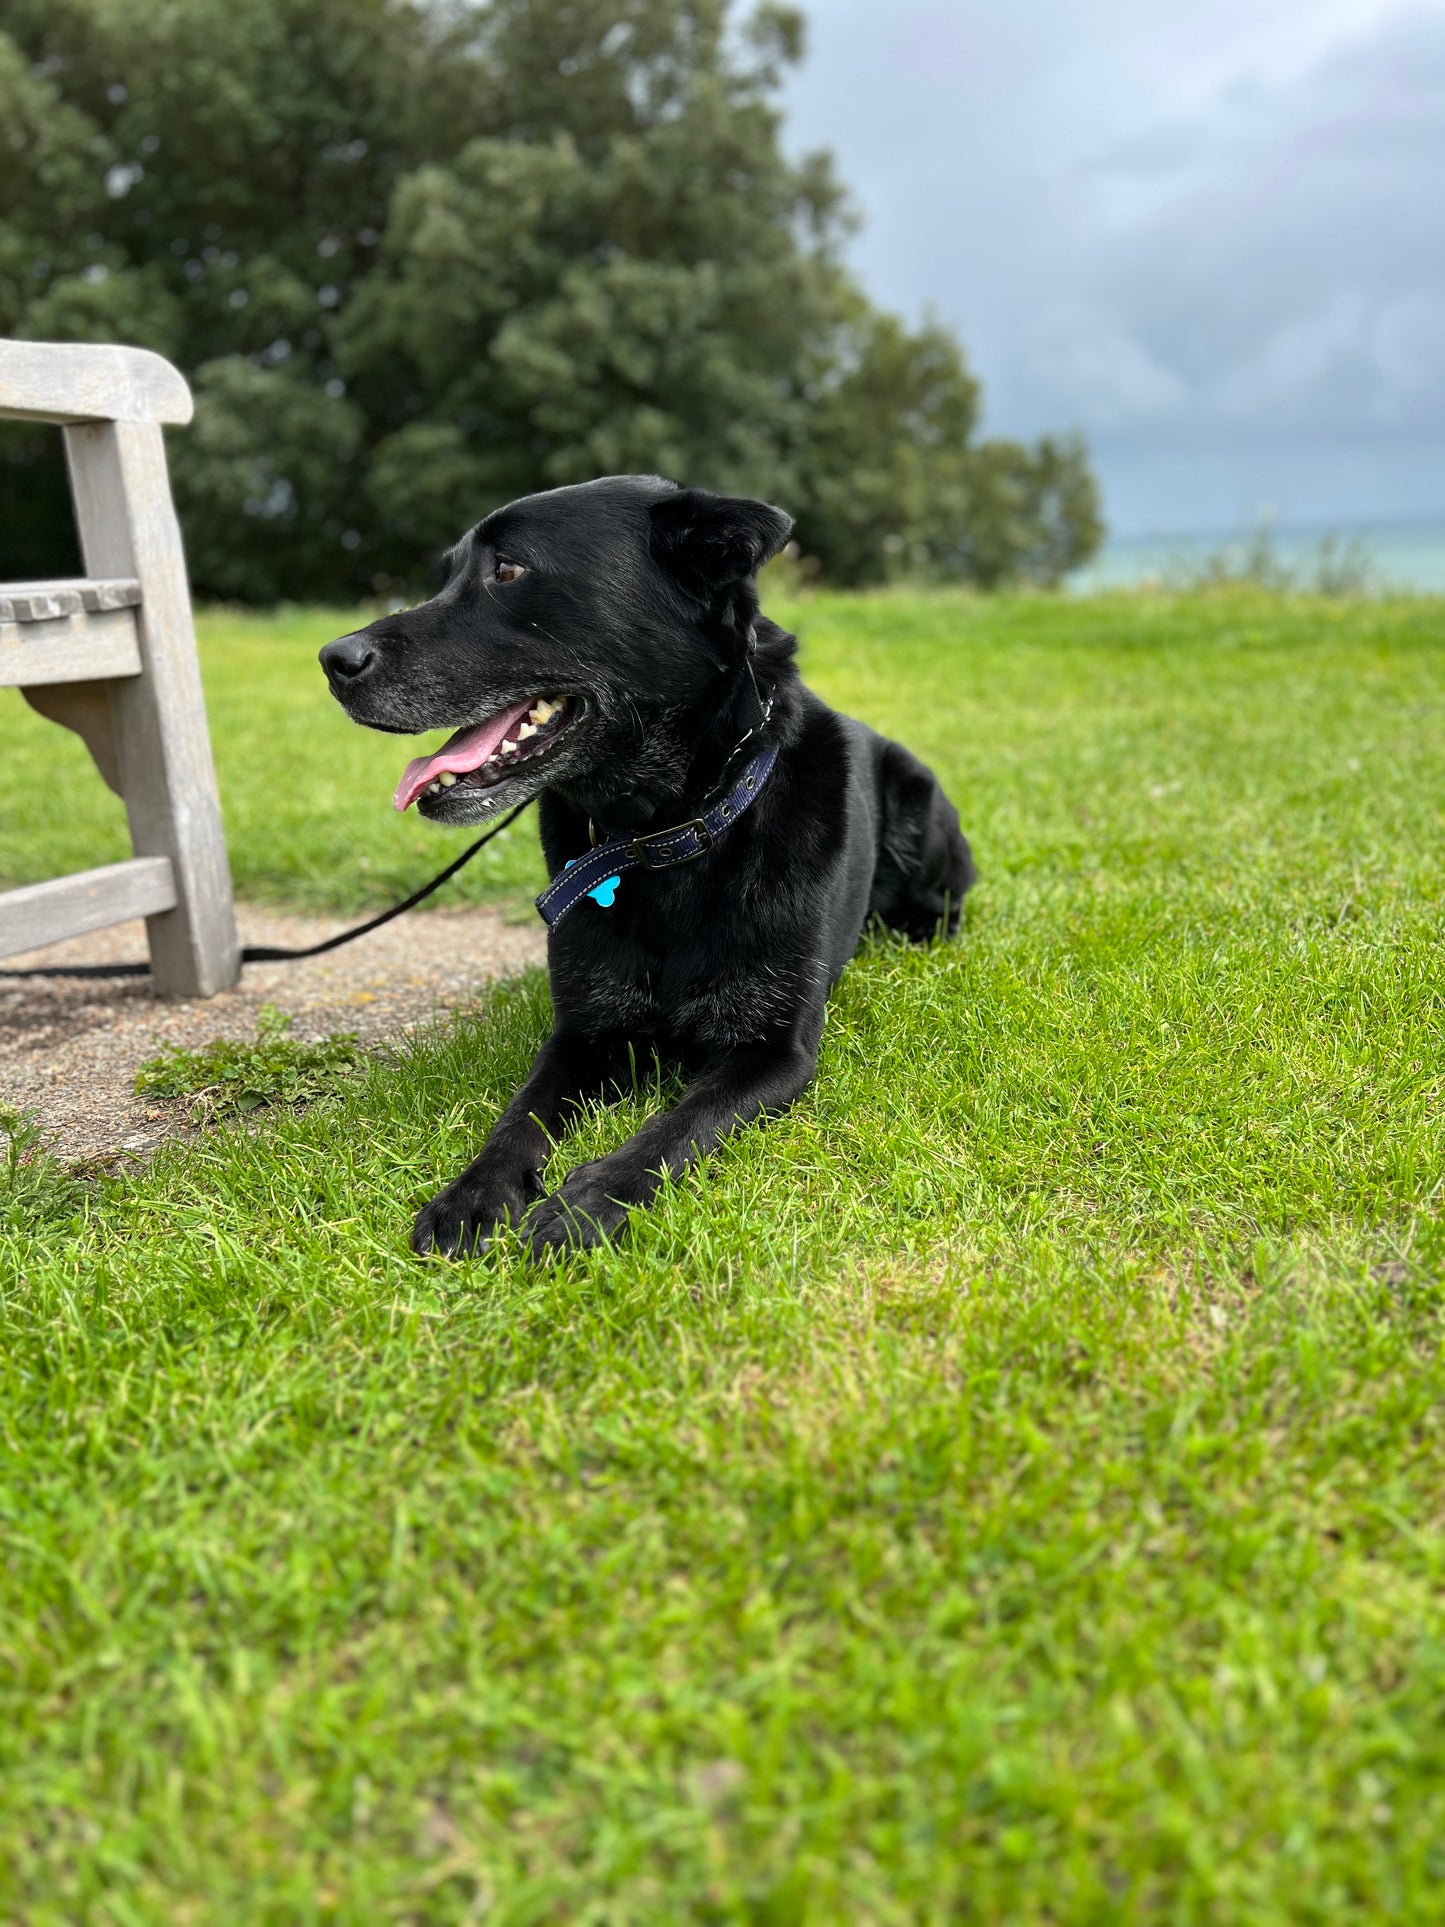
column 70, row 1048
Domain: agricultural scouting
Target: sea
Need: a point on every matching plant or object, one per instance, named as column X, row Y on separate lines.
column 1382, row 557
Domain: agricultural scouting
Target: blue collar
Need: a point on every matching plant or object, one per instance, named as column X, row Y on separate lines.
column 598, row 874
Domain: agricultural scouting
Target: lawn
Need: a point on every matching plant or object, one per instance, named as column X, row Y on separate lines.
column 1011, row 1488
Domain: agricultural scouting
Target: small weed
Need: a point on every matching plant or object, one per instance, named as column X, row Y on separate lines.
column 1339, row 566
column 227, row 1078
column 34, row 1188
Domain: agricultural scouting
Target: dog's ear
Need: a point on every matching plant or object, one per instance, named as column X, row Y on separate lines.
column 710, row 541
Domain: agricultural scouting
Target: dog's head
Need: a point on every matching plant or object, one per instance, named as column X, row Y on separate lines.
column 570, row 625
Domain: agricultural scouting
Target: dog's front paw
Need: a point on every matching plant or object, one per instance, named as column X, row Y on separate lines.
column 577, row 1216
column 463, row 1219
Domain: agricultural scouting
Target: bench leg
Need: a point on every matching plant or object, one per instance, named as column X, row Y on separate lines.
column 128, row 527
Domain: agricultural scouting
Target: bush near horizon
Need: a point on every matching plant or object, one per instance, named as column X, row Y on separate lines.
column 419, row 260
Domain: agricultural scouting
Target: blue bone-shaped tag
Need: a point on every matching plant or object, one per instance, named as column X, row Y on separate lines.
column 603, row 893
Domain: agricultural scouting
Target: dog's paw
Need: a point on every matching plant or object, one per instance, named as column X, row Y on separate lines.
column 577, row 1216
column 462, row 1220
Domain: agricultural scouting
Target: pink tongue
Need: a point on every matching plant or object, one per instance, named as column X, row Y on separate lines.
column 468, row 749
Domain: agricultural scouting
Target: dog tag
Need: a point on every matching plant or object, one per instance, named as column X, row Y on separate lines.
column 603, row 893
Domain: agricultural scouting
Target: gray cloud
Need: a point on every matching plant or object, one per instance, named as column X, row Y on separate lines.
column 1216, row 244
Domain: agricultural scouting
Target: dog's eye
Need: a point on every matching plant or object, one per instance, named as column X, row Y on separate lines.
column 507, row 571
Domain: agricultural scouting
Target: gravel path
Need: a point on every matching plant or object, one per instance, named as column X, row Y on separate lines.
column 70, row 1048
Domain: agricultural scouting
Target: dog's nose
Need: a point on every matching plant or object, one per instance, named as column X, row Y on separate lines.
column 349, row 659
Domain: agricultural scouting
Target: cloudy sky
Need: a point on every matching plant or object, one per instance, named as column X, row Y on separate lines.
column 1209, row 233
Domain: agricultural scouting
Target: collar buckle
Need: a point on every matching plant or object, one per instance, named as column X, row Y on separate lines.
column 696, row 828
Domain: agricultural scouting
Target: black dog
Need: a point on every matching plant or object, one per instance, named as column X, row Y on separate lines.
column 602, row 646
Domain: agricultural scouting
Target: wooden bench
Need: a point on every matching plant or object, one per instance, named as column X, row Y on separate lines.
column 113, row 657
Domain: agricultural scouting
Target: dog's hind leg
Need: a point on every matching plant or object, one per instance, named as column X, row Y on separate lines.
column 506, row 1177
column 925, row 867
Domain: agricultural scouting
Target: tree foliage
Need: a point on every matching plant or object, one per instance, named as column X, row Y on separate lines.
column 418, row 258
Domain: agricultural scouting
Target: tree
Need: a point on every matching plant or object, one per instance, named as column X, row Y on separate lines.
column 883, row 431
column 1015, row 514
column 418, row 258
column 215, row 189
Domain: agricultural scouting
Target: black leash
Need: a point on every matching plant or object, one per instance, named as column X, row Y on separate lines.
column 271, row 953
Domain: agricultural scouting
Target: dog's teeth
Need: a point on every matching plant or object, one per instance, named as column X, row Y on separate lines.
column 434, row 789
column 446, row 779
column 527, row 729
column 543, row 711
column 508, row 749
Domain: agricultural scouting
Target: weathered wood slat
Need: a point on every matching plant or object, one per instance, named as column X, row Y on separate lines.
column 40, row 601
column 86, row 381
column 42, row 913
column 84, row 647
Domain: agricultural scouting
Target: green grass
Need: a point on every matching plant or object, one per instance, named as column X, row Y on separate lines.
column 1008, row 1489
